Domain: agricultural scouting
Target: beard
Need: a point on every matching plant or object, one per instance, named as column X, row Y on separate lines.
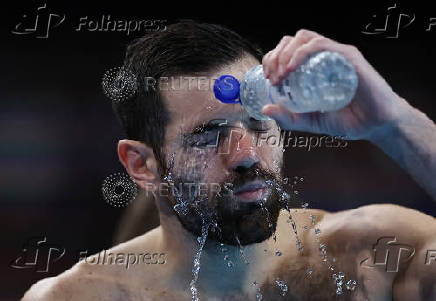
column 230, row 220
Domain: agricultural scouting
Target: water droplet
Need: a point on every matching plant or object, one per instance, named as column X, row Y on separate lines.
column 282, row 285
column 196, row 268
column 312, row 218
column 258, row 293
column 300, row 246
column 351, row 285
column 259, row 296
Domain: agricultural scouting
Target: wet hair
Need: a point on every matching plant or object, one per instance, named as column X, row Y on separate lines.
column 184, row 48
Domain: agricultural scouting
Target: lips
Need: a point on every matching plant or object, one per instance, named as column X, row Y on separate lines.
column 255, row 190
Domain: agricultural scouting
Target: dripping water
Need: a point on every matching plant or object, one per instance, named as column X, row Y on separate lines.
column 196, row 269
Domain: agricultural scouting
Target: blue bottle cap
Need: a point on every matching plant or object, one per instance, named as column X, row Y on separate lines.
column 226, row 89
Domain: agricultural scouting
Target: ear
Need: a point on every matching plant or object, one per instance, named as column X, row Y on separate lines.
column 139, row 161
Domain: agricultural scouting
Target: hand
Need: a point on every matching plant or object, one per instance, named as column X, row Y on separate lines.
column 373, row 111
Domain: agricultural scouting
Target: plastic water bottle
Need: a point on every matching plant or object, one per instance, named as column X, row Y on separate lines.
column 326, row 81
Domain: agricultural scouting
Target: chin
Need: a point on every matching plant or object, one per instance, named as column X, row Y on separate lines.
column 245, row 221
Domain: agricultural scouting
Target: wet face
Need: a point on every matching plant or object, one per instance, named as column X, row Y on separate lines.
column 221, row 172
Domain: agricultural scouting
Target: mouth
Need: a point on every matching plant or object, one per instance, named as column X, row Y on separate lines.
column 251, row 191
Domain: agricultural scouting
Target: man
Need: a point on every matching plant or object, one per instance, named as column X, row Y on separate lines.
column 235, row 241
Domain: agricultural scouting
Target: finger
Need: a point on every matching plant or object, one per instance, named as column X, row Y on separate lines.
column 315, row 45
column 269, row 61
column 302, row 37
column 284, row 117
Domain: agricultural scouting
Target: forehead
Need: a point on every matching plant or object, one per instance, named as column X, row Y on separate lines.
column 191, row 101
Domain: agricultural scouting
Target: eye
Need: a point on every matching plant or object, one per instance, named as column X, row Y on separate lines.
column 208, row 138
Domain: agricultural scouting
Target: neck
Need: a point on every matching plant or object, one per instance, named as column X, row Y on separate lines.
column 223, row 268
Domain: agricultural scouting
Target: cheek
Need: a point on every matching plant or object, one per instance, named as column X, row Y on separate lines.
column 272, row 157
column 197, row 165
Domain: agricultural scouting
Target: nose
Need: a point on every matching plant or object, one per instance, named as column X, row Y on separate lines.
column 243, row 153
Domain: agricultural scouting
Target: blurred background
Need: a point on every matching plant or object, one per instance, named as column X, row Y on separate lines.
column 58, row 134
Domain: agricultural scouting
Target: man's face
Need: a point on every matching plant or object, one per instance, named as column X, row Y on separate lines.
column 222, row 173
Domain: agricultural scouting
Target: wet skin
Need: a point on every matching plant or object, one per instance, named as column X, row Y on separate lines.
column 349, row 236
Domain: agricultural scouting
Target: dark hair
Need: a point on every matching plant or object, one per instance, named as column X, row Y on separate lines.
column 184, row 48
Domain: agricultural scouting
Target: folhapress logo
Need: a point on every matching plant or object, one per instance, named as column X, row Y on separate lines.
column 39, row 24
column 37, row 254
column 393, row 20
column 389, row 253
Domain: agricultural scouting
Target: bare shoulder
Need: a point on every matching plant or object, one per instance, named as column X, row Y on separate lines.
column 96, row 277
column 345, row 241
column 380, row 219
column 358, row 230
column 72, row 284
